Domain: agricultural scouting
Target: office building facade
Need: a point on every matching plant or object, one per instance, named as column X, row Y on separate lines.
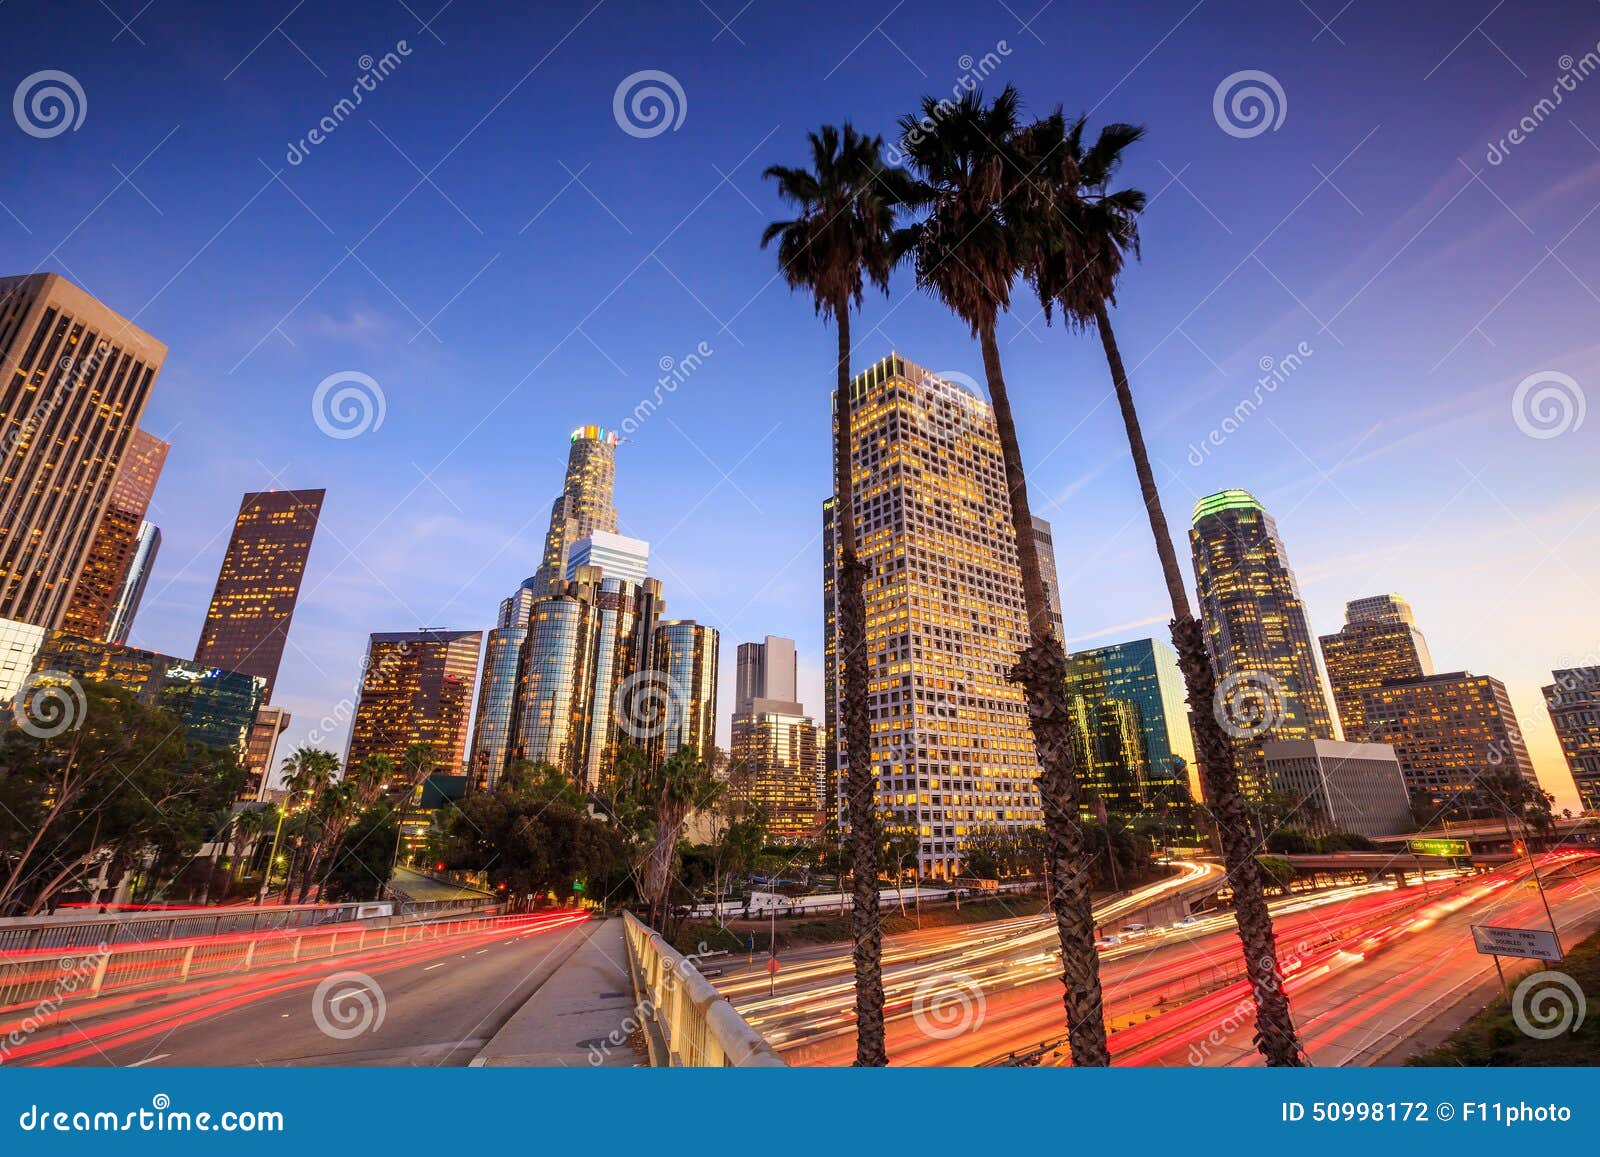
column 585, row 503
column 1340, row 787
column 1129, row 703
column 75, row 378
column 247, row 623
column 497, row 693
column 1256, row 628
column 685, row 658
column 1574, row 704
column 92, row 609
column 146, row 545
column 1044, row 537
column 19, row 646
column 951, row 749
column 416, row 688
column 774, row 756
column 618, row 556
column 1449, row 731
column 1379, row 642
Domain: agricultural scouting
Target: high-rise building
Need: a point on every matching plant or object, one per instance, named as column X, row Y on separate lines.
column 105, row 572
column 767, row 670
column 1449, row 731
column 216, row 707
column 774, row 757
column 74, row 381
column 1379, row 642
column 1129, row 701
column 1269, row 686
column 497, row 693
column 1340, row 787
column 146, row 544
column 261, row 754
column 685, row 659
column 618, row 556
column 830, row 787
column 1574, row 703
column 416, row 688
column 259, row 583
column 1046, row 540
column 19, row 644
column 585, row 503
column 951, row 748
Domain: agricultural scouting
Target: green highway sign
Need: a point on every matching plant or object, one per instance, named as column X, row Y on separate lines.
column 577, row 885
column 1437, row 847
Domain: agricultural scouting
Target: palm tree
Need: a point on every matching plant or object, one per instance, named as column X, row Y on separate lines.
column 968, row 252
column 1079, row 234
column 841, row 238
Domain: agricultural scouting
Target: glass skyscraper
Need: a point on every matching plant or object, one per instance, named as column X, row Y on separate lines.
column 585, row 503
column 685, row 657
column 115, row 548
column 1574, row 703
column 1129, row 701
column 497, row 694
column 416, row 688
column 1269, row 685
column 146, row 545
column 1378, row 643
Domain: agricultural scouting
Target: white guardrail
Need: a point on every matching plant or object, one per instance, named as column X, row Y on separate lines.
column 694, row 1025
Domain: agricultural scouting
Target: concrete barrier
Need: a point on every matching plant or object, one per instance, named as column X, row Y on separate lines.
column 694, row 1025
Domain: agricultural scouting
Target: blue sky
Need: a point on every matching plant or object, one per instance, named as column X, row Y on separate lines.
column 484, row 240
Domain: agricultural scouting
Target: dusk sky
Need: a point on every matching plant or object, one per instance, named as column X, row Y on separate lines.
column 486, row 242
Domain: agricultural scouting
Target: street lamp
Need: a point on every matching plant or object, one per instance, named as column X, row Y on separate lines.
column 266, row 878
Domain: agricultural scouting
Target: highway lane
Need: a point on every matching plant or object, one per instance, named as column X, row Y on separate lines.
column 1375, row 1000
column 441, row 1000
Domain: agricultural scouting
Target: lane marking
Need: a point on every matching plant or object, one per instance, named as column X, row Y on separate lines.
column 149, row 1060
column 431, row 967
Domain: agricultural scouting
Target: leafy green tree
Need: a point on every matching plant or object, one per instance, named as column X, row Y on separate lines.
column 362, row 864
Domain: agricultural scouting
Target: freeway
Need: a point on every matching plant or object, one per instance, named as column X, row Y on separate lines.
column 433, row 1002
column 975, row 995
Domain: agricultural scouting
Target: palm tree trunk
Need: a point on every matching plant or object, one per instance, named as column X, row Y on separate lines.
column 1219, row 773
column 860, row 783
column 1042, row 671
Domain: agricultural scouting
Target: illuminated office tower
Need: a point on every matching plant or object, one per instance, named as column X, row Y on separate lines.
column 618, row 556
column 1129, row 704
column 1379, row 642
column 1046, row 540
column 951, row 750
column 19, row 644
column 685, row 659
column 416, row 688
column 261, row 752
column 74, row 381
column 94, row 600
column 584, row 505
column 497, row 693
column 247, row 623
column 624, row 624
column 146, row 544
column 830, row 785
column 1574, row 703
column 1256, row 630
column 1448, row 731
column 774, row 757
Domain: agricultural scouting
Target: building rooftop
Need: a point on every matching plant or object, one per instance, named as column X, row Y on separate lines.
column 1225, row 500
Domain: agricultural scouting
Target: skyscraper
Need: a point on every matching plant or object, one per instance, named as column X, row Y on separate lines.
column 774, row 757
column 1341, row 787
column 585, row 503
column 951, row 749
column 1449, row 731
column 1379, row 642
column 1046, row 540
column 619, row 556
column 105, row 573
column 1269, row 686
column 1129, row 701
column 685, row 659
column 146, row 544
column 416, row 688
column 1574, row 703
column 259, row 583
column 497, row 694
column 74, row 381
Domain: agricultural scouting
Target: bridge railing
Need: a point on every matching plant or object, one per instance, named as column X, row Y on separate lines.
column 694, row 1025
column 35, row 986
column 33, row 934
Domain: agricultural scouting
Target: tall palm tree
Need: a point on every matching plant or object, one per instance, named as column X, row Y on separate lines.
column 968, row 252
column 1079, row 234
column 841, row 238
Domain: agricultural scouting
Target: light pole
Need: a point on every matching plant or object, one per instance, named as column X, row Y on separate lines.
column 266, row 878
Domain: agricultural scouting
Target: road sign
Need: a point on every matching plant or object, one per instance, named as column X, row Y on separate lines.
column 772, row 965
column 577, row 885
column 1527, row 943
column 1438, row 847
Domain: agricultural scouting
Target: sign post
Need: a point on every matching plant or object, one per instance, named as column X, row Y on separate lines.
column 1522, row 943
